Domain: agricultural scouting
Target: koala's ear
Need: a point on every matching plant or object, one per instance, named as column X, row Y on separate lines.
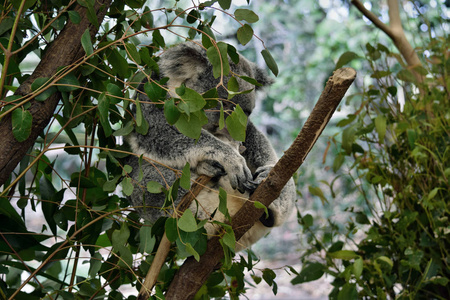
column 184, row 61
column 262, row 77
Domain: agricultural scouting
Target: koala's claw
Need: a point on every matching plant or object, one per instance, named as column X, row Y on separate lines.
column 250, row 186
column 211, row 168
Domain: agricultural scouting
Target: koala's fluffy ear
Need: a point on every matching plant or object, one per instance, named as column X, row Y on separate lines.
column 183, row 62
column 262, row 77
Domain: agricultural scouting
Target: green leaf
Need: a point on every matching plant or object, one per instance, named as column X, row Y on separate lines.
column 147, row 240
column 154, row 187
column 225, row 4
column 192, row 99
column 191, row 126
column 232, row 53
column 154, row 91
column 245, row 34
column 39, row 83
column 343, row 254
column 348, row 292
column 386, row 260
column 74, row 16
column 270, row 62
column 171, row 112
column 310, row 272
column 103, row 112
column 68, row 83
column 219, row 59
column 316, row 191
column 308, row 220
column 223, row 203
column 262, row 206
column 237, row 124
column 158, row 38
column 132, row 52
column 380, row 126
column 250, row 80
column 94, row 265
column 211, row 97
column 207, row 36
column 345, row 58
column 229, row 238
column 193, row 16
column 114, row 93
column 110, row 185
column 120, row 237
column 21, row 124
column 50, row 199
column 86, row 42
column 348, row 138
column 171, row 229
column 126, row 130
column 246, row 14
column 358, row 266
column 127, row 186
column 141, row 123
column 233, row 85
column 221, row 117
column 406, row 75
column 185, row 180
column 187, row 221
column 119, row 63
column 192, row 251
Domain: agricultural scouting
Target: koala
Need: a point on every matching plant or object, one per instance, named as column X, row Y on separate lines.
column 236, row 167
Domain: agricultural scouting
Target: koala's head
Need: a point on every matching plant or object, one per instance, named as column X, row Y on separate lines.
column 188, row 64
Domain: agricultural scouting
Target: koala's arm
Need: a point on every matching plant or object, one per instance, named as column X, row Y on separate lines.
column 261, row 157
column 258, row 150
column 208, row 156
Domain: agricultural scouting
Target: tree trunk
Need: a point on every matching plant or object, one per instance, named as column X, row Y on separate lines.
column 63, row 51
column 192, row 274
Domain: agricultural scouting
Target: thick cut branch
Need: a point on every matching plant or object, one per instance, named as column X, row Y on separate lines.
column 193, row 274
column 63, row 51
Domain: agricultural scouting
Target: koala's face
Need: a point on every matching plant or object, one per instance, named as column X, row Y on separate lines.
column 188, row 64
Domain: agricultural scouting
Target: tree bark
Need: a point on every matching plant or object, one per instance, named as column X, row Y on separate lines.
column 192, row 274
column 63, row 51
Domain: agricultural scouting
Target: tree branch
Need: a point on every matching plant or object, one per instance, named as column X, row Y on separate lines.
column 164, row 245
column 374, row 19
column 63, row 51
column 192, row 274
column 396, row 33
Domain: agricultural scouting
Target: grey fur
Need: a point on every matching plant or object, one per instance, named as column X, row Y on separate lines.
column 214, row 154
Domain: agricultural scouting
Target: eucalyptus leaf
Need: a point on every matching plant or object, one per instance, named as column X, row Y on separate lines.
column 21, row 124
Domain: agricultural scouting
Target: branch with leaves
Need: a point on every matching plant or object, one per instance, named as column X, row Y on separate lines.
column 395, row 31
column 192, row 273
column 63, row 51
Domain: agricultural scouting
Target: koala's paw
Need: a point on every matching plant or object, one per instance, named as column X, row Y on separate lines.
column 261, row 173
column 232, row 167
column 281, row 207
column 211, row 168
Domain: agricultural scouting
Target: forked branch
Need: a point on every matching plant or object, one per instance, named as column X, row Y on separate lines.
column 193, row 274
column 395, row 32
